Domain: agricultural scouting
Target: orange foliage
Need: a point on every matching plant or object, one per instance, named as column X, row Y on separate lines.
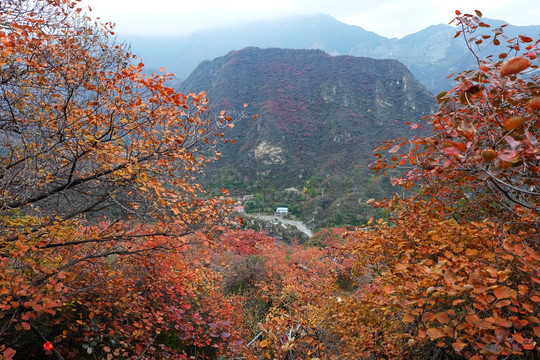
column 280, row 293
column 455, row 272
column 485, row 140
column 108, row 249
column 97, row 199
column 463, row 288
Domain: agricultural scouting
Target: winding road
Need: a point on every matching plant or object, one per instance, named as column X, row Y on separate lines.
column 298, row 224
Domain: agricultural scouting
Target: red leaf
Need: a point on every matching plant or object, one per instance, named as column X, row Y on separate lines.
column 510, row 156
column 8, row 354
column 452, row 150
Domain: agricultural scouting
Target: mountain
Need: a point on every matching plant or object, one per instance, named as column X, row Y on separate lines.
column 431, row 54
column 319, row 119
column 182, row 54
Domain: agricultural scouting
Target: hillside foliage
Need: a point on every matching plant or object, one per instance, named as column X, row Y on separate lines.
column 109, row 249
column 315, row 120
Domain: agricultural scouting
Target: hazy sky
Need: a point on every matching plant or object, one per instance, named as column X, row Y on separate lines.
column 390, row 18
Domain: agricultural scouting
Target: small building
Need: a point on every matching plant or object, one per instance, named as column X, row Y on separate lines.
column 282, row 211
column 239, row 209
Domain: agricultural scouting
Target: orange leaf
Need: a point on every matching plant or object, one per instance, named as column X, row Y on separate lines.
column 408, row 318
column 265, row 343
column 518, row 338
column 503, row 292
column 471, row 252
column 513, row 123
column 534, row 103
column 442, row 318
column 435, row 333
column 458, row 346
column 528, row 344
column 514, row 65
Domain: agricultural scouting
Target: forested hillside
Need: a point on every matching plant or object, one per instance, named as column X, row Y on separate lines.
column 311, row 123
column 110, row 248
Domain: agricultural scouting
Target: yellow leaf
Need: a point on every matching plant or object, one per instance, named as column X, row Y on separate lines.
column 265, row 343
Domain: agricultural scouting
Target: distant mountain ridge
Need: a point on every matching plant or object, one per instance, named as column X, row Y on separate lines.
column 319, row 118
column 431, row 54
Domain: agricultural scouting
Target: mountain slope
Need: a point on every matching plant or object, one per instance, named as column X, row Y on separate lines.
column 319, row 117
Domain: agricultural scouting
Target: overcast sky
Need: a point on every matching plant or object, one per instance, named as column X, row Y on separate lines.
column 390, row 18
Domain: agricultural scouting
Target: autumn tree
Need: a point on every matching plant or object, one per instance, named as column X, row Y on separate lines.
column 455, row 269
column 485, row 141
column 440, row 289
column 97, row 169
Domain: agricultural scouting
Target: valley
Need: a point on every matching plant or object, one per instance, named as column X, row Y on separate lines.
column 300, row 194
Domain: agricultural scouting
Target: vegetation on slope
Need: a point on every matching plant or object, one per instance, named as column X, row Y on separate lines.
column 311, row 123
column 109, row 250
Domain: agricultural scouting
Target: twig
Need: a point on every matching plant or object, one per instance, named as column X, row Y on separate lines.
column 255, row 338
column 4, row 329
